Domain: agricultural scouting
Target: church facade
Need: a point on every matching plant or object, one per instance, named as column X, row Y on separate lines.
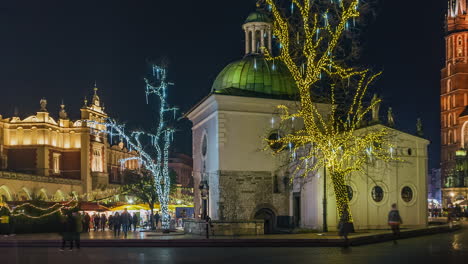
column 53, row 159
column 454, row 106
column 238, row 180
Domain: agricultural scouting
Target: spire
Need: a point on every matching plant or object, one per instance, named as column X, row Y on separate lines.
column 95, row 96
column 457, row 8
column 419, row 128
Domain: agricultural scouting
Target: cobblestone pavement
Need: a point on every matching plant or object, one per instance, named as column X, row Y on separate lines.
column 109, row 235
column 441, row 248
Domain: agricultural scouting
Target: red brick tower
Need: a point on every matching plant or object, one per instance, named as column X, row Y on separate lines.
column 454, row 94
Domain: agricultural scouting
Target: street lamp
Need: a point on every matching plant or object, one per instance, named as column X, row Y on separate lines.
column 204, row 192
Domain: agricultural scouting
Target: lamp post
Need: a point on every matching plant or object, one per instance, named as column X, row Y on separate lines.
column 325, row 226
column 204, row 192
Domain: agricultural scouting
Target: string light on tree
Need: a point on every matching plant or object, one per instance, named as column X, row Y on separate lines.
column 155, row 159
column 333, row 139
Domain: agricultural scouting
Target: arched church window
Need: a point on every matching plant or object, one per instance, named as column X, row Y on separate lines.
column 450, row 121
column 377, row 194
column 449, row 85
column 204, row 146
column 450, row 137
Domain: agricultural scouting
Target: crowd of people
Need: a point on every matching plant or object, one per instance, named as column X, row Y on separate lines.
column 124, row 221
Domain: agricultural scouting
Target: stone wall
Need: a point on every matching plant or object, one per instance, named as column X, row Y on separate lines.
column 224, row 228
column 242, row 193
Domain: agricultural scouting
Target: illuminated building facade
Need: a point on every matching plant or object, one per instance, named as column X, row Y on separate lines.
column 454, row 105
column 41, row 156
column 239, row 183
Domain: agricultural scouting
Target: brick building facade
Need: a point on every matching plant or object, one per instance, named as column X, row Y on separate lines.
column 454, row 104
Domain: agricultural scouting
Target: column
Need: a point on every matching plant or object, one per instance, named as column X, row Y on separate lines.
column 269, row 40
column 262, row 39
column 247, row 51
column 254, row 48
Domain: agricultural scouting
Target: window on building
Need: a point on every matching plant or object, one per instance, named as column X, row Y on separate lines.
column 449, row 85
column 275, row 146
column 377, row 194
column 97, row 161
column 56, row 163
column 407, row 194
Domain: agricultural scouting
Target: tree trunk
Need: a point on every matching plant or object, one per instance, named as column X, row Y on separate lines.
column 165, row 221
column 341, row 196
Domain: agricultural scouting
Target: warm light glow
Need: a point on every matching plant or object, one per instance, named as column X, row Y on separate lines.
column 329, row 138
column 452, row 194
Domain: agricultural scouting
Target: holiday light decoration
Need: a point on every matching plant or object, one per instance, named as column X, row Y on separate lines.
column 156, row 158
column 60, row 208
column 309, row 36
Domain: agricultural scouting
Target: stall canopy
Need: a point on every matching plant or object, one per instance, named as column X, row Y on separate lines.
column 88, row 206
column 131, row 207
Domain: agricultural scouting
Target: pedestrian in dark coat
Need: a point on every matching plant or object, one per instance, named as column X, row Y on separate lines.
column 156, row 219
column 87, row 220
column 68, row 230
column 103, row 221
column 135, row 221
column 111, row 223
column 394, row 220
column 116, row 223
column 96, row 220
column 78, row 229
column 125, row 220
column 344, row 227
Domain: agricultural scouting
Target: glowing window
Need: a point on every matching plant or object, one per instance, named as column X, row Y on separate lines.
column 56, row 163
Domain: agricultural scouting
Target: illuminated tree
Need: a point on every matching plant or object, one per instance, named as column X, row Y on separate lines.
column 309, row 33
column 152, row 148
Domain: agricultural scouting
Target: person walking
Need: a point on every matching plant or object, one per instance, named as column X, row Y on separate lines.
column 116, row 224
column 394, row 220
column 135, row 221
column 68, row 229
column 126, row 220
column 156, row 220
column 344, row 227
column 78, row 229
column 87, row 221
column 110, row 222
column 96, row 219
column 103, row 222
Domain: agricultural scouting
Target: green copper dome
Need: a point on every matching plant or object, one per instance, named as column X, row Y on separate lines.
column 258, row 16
column 255, row 76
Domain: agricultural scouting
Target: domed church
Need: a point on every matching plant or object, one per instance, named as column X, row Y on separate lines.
column 241, row 186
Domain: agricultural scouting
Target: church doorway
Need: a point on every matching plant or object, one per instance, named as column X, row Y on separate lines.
column 269, row 217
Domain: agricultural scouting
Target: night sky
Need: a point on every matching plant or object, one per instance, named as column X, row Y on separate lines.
column 58, row 49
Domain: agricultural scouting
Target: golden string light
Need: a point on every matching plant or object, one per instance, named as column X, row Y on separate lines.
column 328, row 138
column 66, row 206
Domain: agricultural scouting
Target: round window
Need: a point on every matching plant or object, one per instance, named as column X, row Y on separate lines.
column 377, row 194
column 275, row 146
column 350, row 192
column 204, row 147
column 407, row 194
